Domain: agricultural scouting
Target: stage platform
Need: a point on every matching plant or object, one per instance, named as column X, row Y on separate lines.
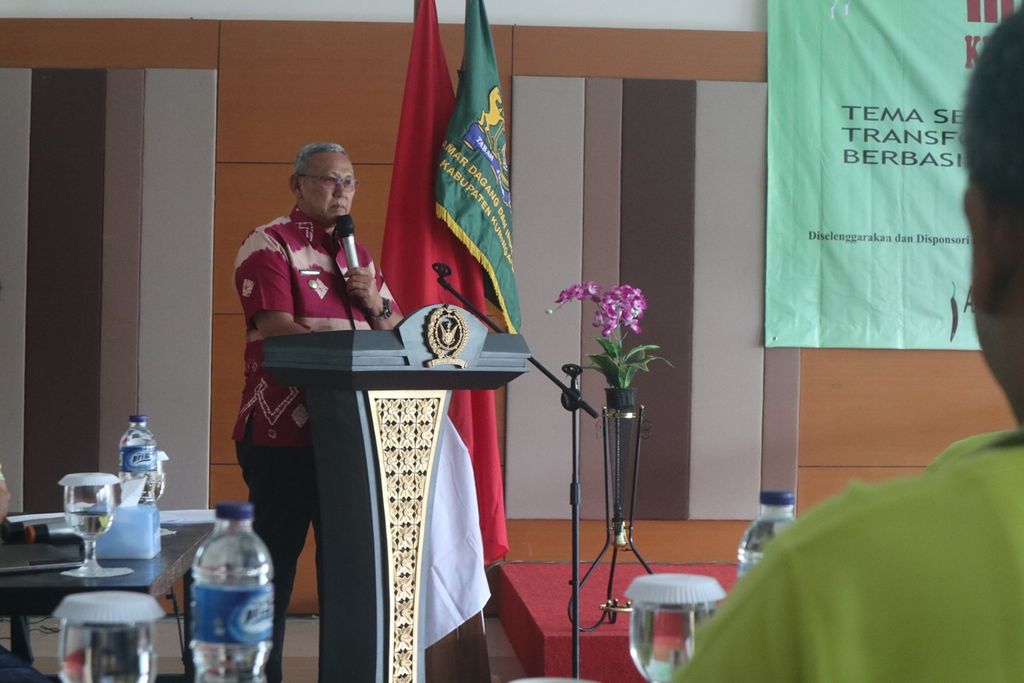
column 533, row 600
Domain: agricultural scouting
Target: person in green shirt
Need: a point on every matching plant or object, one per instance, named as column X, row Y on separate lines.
column 920, row 579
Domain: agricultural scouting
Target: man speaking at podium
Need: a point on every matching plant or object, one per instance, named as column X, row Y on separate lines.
column 295, row 275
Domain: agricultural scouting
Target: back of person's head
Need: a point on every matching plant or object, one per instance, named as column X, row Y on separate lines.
column 993, row 134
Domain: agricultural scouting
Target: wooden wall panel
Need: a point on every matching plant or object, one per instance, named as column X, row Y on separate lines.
column 656, row 254
column 15, row 127
column 248, row 195
column 816, row 484
column 108, row 43
column 284, row 84
column 175, row 345
column 780, row 422
column 122, row 237
column 62, row 324
column 887, row 408
column 548, row 206
column 226, row 484
column 227, row 369
column 640, row 53
column 602, row 209
column 727, row 399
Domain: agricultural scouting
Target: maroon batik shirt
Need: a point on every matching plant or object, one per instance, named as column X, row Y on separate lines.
column 287, row 265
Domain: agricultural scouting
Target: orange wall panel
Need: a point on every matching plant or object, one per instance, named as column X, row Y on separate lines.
column 226, row 484
column 640, row 53
column 817, row 484
column 226, row 377
column 893, row 408
column 248, row 195
column 108, row 43
column 283, row 84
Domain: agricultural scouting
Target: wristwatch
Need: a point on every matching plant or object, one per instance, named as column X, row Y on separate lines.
column 384, row 314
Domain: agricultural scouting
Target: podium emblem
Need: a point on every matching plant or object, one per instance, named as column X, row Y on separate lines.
column 447, row 336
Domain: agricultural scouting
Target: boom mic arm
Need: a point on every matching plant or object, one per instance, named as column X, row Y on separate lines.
column 570, row 397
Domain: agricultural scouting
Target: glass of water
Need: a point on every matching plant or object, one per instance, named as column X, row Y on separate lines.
column 89, row 502
column 667, row 608
column 107, row 637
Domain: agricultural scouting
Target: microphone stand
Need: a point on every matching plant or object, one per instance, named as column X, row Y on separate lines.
column 573, row 401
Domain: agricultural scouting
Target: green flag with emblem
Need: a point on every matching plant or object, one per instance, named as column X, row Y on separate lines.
column 472, row 187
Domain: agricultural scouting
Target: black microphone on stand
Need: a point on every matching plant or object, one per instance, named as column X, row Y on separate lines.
column 346, row 230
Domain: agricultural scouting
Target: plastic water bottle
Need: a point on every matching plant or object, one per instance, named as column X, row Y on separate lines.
column 775, row 515
column 232, row 600
column 138, row 454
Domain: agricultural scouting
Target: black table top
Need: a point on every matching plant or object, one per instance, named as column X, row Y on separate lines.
column 39, row 593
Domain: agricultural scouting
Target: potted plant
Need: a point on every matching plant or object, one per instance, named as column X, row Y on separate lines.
column 619, row 311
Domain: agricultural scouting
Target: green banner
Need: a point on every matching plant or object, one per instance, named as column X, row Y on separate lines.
column 472, row 189
column 867, row 246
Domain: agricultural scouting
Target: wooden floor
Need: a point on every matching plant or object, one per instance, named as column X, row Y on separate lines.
column 300, row 657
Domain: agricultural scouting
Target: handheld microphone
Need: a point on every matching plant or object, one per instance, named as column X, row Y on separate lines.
column 346, row 230
column 53, row 532
column 56, row 532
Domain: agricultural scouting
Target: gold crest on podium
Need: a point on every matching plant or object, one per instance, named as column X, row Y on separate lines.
column 447, row 336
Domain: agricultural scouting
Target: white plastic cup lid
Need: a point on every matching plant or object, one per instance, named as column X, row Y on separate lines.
column 162, row 456
column 88, row 479
column 109, row 607
column 674, row 589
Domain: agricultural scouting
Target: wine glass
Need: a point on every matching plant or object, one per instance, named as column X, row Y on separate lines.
column 666, row 610
column 108, row 636
column 89, row 503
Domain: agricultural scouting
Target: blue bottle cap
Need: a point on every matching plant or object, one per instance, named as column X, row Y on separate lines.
column 777, row 498
column 234, row 510
column 138, row 418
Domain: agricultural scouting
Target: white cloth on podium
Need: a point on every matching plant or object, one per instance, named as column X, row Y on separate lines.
column 455, row 585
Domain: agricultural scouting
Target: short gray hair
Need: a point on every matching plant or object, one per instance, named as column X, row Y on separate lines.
column 301, row 163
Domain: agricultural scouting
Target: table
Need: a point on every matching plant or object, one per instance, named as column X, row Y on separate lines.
column 39, row 593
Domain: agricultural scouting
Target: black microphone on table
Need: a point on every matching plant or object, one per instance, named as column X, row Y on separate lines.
column 346, row 230
column 54, row 532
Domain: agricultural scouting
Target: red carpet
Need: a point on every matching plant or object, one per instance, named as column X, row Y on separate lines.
column 533, row 600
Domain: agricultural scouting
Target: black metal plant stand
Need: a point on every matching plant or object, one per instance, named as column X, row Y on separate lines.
column 622, row 429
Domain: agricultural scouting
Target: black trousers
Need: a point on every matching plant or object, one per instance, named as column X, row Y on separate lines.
column 283, row 491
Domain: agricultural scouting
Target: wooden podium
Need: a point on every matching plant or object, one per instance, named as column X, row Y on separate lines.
column 376, row 400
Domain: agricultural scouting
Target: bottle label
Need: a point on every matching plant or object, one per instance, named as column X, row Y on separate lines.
column 138, row 458
column 233, row 615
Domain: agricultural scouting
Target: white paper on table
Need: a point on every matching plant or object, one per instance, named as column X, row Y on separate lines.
column 36, row 517
column 188, row 516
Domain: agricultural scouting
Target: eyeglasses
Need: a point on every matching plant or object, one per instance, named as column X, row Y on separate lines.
column 347, row 184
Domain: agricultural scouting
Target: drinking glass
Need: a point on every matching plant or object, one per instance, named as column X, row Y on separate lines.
column 89, row 503
column 108, row 637
column 667, row 608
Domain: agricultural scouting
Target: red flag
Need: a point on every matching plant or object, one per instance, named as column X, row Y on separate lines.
column 414, row 239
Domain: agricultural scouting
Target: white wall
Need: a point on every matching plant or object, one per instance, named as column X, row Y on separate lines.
column 715, row 15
